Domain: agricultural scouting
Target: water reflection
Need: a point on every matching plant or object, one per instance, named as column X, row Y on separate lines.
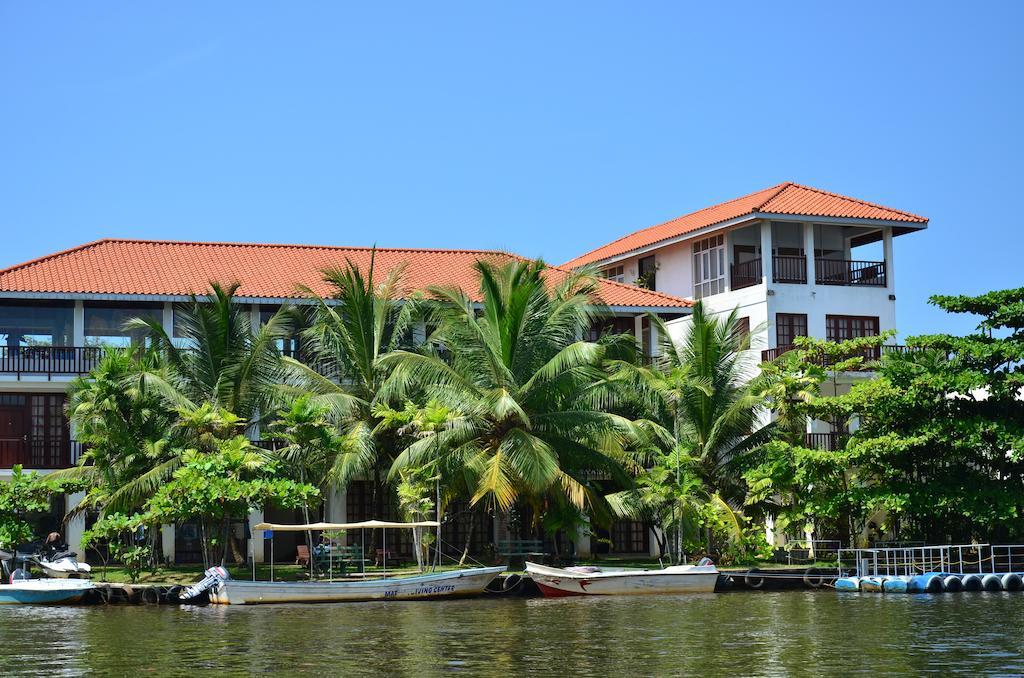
column 738, row 633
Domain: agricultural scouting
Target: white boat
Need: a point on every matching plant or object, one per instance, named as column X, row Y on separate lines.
column 451, row 584
column 469, row 582
column 63, row 566
column 610, row 581
column 44, row 591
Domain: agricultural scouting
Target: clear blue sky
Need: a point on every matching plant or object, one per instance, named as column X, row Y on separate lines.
column 542, row 128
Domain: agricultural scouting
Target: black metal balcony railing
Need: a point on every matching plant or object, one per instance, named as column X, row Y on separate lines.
column 846, row 272
column 746, row 274
column 830, row 442
column 789, row 269
column 869, row 354
column 48, row 360
column 39, row 454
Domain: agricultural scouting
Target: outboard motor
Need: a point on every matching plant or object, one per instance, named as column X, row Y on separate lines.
column 214, row 576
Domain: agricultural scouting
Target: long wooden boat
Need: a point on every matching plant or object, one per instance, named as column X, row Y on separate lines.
column 601, row 581
column 453, row 584
column 44, row 591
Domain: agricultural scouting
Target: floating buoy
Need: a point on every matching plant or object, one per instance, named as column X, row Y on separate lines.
column 847, row 584
column 895, row 585
column 971, row 582
column 925, row 583
column 952, row 584
column 991, row 582
column 1011, row 582
column 872, row 584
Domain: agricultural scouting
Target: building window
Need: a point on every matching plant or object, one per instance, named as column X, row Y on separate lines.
column 708, row 266
column 104, row 323
column 843, row 327
column 614, row 325
column 37, row 323
column 614, row 273
column 788, row 326
column 648, row 270
column 743, row 327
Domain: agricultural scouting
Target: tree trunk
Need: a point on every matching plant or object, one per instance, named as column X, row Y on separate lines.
column 469, row 536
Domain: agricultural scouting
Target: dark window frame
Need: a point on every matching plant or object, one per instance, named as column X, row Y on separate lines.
column 794, row 324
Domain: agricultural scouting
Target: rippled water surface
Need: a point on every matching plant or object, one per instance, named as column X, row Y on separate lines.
column 802, row 633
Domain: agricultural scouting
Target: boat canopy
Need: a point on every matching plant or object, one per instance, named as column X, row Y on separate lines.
column 366, row 524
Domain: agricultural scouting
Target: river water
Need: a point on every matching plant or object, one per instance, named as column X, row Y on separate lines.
column 741, row 633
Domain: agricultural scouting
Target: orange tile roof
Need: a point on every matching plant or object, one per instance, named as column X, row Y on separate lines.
column 265, row 271
column 784, row 198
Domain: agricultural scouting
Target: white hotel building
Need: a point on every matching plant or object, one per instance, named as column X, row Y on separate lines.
column 794, row 260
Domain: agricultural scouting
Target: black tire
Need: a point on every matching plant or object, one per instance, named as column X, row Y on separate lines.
column 752, row 581
column 814, row 578
column 150, row 596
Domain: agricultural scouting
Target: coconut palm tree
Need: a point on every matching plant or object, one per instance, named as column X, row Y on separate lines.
column 703, row 393
column 532, row 397
column 219, row 358
column 126, row 428
column 348, row 336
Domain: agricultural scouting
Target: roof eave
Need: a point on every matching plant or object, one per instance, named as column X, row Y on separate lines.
column 905, row 227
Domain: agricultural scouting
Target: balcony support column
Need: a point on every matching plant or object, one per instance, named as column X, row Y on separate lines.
column 890, row 271
column 728, row 260
column 167, row 319
column 809, row 252
column 167, row 542
column 76, row 526
column 766, row 252
column 78, row 323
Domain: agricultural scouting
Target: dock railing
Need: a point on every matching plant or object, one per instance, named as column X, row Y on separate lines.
column 910, row 560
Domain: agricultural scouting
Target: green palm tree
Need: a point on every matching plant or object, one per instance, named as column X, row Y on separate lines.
column 532, row 397
column 219, row 358
column 703, row 392
column 348, row 336
column 126, row 428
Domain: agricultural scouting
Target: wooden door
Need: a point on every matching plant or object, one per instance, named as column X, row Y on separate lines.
column 13, row 434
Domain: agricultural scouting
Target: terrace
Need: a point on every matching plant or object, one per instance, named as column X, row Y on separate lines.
column 838, row 255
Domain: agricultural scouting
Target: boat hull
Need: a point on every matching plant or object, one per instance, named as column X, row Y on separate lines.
column 555, row 582
column 44, row 592
column 454, row 584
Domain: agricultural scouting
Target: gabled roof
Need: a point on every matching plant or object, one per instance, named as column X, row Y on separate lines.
column 784, row 198
column 120, row 268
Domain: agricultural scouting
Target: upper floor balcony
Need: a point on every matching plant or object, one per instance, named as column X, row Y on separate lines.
column 794, row 253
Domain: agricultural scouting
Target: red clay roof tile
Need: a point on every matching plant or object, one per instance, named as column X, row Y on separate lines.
column 265, row 271
column 784, row 198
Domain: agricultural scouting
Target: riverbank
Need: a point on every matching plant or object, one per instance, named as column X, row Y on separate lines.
column 183, row 575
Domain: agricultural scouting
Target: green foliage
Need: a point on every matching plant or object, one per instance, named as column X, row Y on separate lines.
column 116, row 532
column 21, row 496
column 234, row 480
column 937, row 447
column 705, row 409
column 127, row 429
column 533, row 401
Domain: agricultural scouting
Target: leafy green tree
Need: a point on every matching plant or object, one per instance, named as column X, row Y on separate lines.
column 533, row 398
column 114, row 536
column 215, row 487
column 935, row 451
column 22, row 495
